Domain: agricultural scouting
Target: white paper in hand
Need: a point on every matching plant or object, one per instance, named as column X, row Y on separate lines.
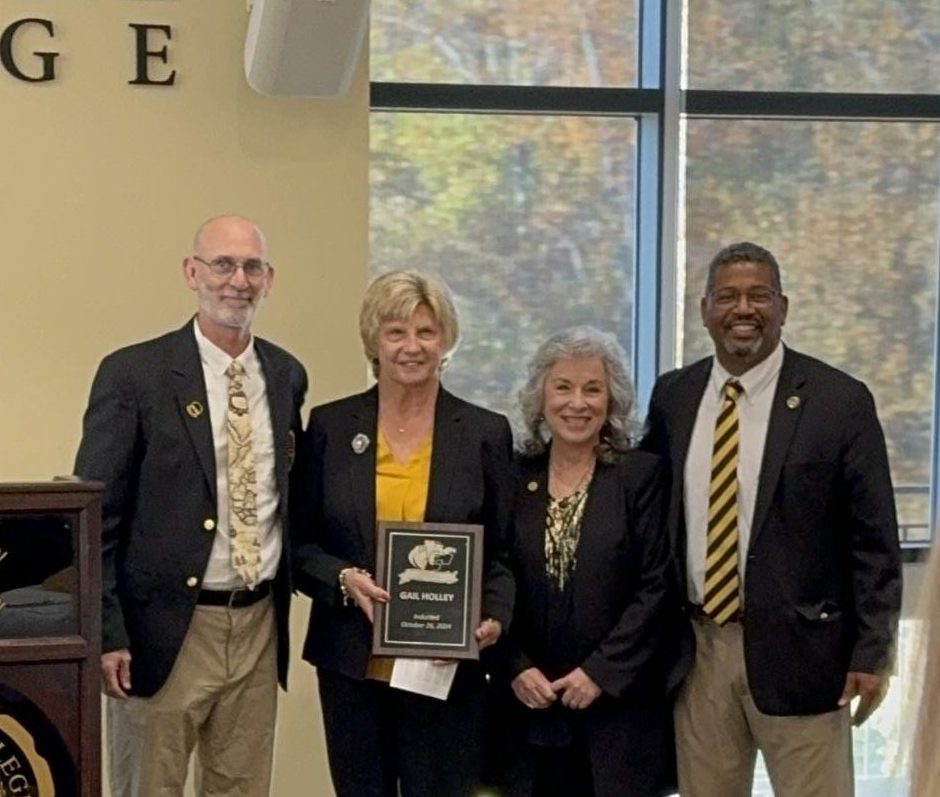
column 424, row 677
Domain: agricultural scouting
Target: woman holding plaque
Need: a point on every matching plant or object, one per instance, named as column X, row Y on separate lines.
column 593, row 650
column 405, row 450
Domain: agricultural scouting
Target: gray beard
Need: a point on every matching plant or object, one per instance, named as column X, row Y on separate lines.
column 737, row 350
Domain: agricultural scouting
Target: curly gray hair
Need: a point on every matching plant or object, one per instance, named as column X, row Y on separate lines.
column 582, row 341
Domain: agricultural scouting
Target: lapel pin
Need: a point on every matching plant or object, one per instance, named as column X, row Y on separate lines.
column 532, row 486
column 360, row 443
column 194, row 409
column 793, row 402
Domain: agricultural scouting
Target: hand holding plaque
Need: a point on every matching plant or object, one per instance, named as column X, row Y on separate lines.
column 433, row 574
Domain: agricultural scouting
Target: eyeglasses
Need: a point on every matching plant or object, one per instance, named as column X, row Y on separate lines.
column 223, row 266
column 757, row 297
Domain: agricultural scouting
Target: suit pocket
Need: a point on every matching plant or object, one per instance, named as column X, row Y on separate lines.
column 824, row 611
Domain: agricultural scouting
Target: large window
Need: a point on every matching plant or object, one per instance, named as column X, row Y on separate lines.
column 579, row 161
column 504, row 42
column 850, row 209
column 527, row 218
column 814, row 45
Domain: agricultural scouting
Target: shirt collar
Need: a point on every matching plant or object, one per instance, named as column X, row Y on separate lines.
column 755, row 380
column 217, row 361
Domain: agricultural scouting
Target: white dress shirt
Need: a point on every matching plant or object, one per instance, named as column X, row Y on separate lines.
column 760, row 385
column 220, row 575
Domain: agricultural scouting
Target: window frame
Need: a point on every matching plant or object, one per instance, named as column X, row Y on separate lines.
column 660, row 106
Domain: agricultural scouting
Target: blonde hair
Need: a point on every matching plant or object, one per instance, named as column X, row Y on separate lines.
column 396, row 296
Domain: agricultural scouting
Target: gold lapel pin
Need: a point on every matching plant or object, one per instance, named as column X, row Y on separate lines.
column 194, row 409
column 532, row 486
column 793, row 402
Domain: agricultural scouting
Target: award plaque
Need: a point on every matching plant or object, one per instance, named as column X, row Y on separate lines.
column 433, row 573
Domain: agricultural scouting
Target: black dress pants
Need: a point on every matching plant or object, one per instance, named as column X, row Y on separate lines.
column 385, row 742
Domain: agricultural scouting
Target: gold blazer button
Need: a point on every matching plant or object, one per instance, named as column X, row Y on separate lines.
column 192, row 581
column 208, row 524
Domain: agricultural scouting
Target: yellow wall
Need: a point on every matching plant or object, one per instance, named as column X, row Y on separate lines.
column 102, row 186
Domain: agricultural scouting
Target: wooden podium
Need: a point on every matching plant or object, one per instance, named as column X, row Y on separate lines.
column 50, row 639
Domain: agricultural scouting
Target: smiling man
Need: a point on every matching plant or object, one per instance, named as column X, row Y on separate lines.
column 192, row 434
column 783, row 523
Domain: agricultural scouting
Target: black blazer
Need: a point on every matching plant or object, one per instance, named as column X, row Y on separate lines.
column 822, row 590
column 335, row 523
column 158, row 464
column 623, row 631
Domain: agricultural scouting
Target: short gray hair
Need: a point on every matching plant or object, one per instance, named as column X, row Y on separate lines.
column 579, row 342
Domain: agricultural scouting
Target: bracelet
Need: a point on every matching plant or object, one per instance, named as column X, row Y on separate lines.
column 348, row 599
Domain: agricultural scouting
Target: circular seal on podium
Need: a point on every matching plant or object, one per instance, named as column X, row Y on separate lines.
column 34, row 761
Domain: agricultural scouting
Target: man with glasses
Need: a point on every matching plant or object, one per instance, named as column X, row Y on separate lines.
column 785, row 534
column 193, row 435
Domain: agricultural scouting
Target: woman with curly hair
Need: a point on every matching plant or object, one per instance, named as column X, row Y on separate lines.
column 592, row 654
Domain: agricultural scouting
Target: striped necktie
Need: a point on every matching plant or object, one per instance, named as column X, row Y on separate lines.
column 242, row 487
column 722, row 581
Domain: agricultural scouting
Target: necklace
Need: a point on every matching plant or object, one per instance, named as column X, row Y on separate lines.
column 563, row 531
column 570, row 486
column 402, row 426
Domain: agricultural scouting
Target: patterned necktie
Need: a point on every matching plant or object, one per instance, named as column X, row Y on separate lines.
column 242, row 487
column 722, row 582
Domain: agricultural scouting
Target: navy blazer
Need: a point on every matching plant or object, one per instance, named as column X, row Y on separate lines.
column 822, row 590
column 334, row 511
column 157, row 461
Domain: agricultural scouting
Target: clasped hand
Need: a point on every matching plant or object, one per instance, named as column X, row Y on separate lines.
column 576, row 690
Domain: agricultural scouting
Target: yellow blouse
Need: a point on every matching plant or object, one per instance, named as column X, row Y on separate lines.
column 401, row 490
column 401, row 493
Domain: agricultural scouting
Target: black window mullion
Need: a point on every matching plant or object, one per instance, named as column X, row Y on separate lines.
column 513, row 99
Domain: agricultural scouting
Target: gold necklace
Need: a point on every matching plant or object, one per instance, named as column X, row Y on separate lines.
column 570, row 487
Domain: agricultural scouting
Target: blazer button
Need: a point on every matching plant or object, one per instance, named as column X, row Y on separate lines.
column 208, row 524
column 192, row 581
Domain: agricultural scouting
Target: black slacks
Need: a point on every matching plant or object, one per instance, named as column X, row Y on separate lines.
column 380, row 740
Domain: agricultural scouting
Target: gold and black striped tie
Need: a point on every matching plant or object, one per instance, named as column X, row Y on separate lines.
column 722, row 582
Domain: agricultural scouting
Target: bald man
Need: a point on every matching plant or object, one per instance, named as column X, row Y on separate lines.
column 193, row 435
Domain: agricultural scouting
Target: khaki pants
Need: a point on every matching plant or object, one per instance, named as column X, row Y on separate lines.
column 220, row 700
column 719, row 731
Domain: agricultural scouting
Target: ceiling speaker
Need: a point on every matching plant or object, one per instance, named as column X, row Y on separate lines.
column 304, row 48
